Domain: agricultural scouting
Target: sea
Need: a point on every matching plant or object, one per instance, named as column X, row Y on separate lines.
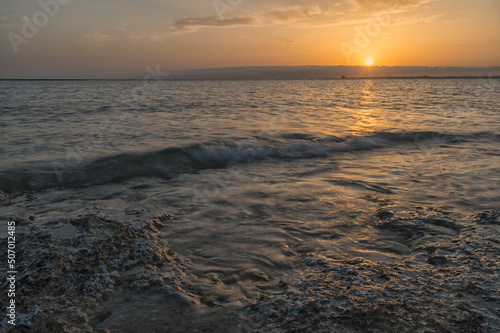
column 269, row 184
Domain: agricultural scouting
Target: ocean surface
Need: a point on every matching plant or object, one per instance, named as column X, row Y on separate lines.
column 256, row 174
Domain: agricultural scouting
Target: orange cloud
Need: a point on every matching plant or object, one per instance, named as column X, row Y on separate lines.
column 192, row 24
column 291, row 14
column 382, row 4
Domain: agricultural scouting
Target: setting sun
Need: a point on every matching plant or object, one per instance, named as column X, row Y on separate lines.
column 368, row 62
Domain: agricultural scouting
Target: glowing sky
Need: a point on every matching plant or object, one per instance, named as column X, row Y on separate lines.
column 120, row 38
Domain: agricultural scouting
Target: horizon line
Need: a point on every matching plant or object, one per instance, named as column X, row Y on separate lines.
column 390, row 75
column 423, row 77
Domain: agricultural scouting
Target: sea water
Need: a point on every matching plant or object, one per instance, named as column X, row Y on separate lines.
column 257, row 174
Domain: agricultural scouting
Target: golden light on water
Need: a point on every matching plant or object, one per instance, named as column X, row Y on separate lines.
column 368, row 119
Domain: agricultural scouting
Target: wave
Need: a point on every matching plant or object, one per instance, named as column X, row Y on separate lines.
column 171, row 161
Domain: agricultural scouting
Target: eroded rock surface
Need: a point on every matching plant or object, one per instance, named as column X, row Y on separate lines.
column 67, row 268
column 448, row 286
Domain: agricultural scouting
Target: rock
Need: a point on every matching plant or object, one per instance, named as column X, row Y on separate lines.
column 487, row 217
column 4, row 198
column 384, row 214
column 359, row 295
column 304, row 249
column 71, row 266
column 437, row 260
column 287, row 251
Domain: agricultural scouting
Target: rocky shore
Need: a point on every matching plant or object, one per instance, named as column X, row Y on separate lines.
column 94, row 274
column 69, row 267
column 452, row 285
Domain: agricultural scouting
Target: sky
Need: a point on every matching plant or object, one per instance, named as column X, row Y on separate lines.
column 121, row 38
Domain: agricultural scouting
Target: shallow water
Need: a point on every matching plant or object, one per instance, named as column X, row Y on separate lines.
column 257, row 174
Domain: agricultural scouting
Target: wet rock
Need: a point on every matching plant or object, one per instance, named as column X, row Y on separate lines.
column 437, row 260
column 384, row 214
column 163, row 217
column 131, row 211
column 31, row 196
column 84, row 223
column 255, row 275
column 431, row 249
column 304, row 249
column 287, row 251
column 313, row 260
column 353, row 261
column 442, row 222
column 70, row 266
column 410, row 228
column 414, row 227
column 359, row 295
column 4, row 198
column 138, row 196
column 487, row 217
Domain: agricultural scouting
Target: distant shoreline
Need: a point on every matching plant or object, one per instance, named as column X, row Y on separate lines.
column 294, row 73
column 495, row 77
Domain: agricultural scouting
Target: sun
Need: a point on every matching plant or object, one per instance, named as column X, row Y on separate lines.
column 368, row 62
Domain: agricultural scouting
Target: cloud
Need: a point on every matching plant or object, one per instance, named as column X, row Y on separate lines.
column 192, row 24
column 283, row 15
column 123, row 27
column 146, row 39
column 387, row 18
column 97, row 39
column 384, row 4
column 292, row 14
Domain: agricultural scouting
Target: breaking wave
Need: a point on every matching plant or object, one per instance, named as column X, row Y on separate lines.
column 171, row 161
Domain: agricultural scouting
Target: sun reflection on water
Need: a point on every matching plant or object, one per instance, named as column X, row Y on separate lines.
column 368, row 118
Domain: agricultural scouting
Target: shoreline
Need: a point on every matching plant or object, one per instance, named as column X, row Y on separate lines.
column 94, row 274
column 458, row 77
